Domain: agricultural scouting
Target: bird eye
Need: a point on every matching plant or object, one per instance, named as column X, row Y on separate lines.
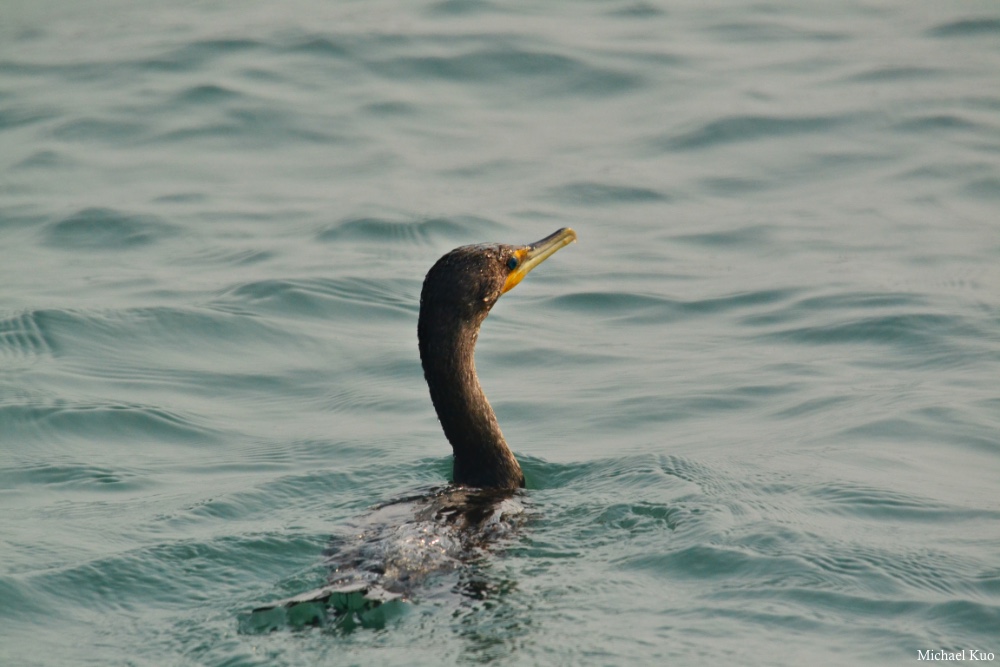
column 512, row 263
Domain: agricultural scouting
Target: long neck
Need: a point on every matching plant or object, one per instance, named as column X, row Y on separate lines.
column 482, row 457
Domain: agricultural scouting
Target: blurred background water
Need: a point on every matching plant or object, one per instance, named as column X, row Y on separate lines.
column 757, row 404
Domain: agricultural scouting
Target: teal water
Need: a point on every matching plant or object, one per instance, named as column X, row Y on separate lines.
column 757, row 404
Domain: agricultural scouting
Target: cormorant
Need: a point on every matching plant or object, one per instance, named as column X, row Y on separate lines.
column 402, row 542
column 458, row 293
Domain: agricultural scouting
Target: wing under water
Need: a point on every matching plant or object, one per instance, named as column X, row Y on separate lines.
column 391, row 552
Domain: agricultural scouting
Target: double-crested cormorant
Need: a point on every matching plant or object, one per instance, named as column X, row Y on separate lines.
column 458, row 293
column 402, row 542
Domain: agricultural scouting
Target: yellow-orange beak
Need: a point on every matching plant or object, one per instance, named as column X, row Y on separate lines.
column 532, row 255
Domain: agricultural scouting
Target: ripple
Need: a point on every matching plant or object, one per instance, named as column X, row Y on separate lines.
column 102, row 422
column 853, row 302
column 879, row 503
column 937, row 121
column 733, row 186
column 598, row 194
column 971, row 27
column 391, row 109
column 382, row 230
column 206, row 94
column 638, row 10
column 320, row 45
column 196, row 568
column 762, row 30
column 11, row 117
column 22, row 339
column 897, row 73
column 107, row 229
column 463, row 8
column 640, row 518
column 620, row 305
column 114, row 132
column 197, row 54
column 655, row 309
column 256, row 126
column 710, row 562
column 135, row 343
column 44, row 160
column 320, row 298
column 737, row 129
column 74, row 476
column 508, row 65
column 742, row 237
column 984, row 188
column 915, row 331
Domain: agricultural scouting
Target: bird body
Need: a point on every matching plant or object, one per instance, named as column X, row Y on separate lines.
column 402, row 542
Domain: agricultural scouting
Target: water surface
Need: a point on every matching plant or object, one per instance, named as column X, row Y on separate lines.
column 757, row 404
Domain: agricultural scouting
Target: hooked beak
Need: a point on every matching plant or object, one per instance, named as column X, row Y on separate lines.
column 532, row 255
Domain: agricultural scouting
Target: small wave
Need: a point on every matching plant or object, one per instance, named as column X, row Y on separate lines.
column 463, row 8
column 638, row 10
column 508, row 65
column 984, row 188
column 325, row 299
column 75, row 476
column 225, row 256
column 750, row 236
column 739, row 301
column 712, row 561
column 197, row 54
column 11, row 117
column 22, row 339
column 636, row 518
column 391, row 108
column 176, row 572
column 914, row 331
column 729, row 186
column 620, row 306
column 972, row 27
column 749, row 128
column 107, row 229
column 763, row 30
column 839, row 497
column 936, row 122
column 897, row 73
column 584, row 506
column 101, row 422
column 206, row 94
column 855, row 302
column 320, row 45
column 259, row 125
column 657, row 309
column 384, row 230
column 597, row 194
column 853, row 567
column 111, row 334
column 45, row 159
column 111, row 131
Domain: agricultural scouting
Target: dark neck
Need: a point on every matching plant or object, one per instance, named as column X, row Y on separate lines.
column 482, row 457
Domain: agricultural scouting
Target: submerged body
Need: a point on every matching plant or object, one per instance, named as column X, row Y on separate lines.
column 400, row 543
column 385, row 555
